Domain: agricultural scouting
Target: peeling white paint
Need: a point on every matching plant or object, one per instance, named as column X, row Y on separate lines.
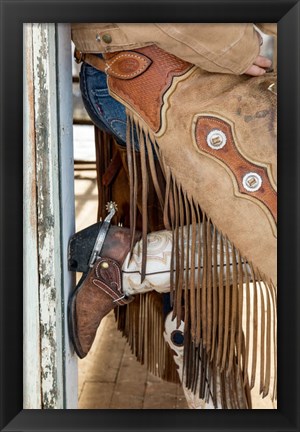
column 31, row 337
column 53, row 216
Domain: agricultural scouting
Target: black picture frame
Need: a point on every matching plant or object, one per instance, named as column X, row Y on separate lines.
column 13, row 14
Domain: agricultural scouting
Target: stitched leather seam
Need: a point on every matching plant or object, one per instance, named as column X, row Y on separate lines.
column 102, row 286
column 106, row 288
column 219, row 155
column 118, row 272
column 109, row 66
column 115, row 296
column 216, row 155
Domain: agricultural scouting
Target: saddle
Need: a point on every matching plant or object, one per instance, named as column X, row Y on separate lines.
column 213, row 137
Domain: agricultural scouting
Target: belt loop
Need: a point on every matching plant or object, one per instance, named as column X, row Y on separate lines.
column 78, row 56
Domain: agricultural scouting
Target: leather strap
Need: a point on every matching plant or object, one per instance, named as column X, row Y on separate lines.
column 124, row 65
column 106, row 275
column 112, row 170
column 91, row 59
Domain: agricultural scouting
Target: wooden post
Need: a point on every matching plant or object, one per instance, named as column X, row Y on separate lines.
column 50, row 367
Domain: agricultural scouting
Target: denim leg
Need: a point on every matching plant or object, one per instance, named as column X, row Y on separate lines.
column 105, row 112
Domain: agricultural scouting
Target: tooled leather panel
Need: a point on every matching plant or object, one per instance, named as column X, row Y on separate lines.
column 237, row 163
column 145, row 92
column 127, row 65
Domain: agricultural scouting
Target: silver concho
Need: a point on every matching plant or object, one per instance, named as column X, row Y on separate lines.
column 252, row 182
column 216, row 139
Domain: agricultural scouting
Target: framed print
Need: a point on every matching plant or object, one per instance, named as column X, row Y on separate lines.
column 48, row 345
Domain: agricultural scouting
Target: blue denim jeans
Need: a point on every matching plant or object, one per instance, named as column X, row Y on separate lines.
column 105, row 112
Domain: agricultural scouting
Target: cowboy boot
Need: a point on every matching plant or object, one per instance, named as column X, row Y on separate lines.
column 100, row 287
column 115, row 276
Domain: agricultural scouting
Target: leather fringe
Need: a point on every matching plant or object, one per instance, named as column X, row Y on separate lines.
column 223, row 303
column 204, row 377
column 142, row 323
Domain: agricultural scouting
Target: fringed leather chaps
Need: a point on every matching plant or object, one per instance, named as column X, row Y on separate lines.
column 198, row 391
column 214, row 136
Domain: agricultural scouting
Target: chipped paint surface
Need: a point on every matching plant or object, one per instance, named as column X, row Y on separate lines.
column 48, row 220
column 47, row 215
column 31, row 339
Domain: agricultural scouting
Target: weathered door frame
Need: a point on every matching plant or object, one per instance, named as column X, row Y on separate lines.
column 50, row 366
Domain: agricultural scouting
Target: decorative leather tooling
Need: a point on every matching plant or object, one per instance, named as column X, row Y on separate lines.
column 145, row 93
column 127, row 65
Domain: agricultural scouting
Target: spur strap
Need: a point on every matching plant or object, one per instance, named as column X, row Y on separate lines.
column 106, row 274
column 111, row 207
